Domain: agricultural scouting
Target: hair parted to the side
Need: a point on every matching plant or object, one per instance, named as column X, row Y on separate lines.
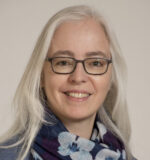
column 28, row 102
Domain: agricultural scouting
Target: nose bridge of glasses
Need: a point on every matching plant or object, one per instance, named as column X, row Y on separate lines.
column 79, row 66
column 78, row 75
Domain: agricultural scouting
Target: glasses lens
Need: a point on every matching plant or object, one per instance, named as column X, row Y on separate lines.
column 63, row 64
column 96, row 65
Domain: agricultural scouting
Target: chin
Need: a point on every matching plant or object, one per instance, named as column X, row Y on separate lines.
column 79, row 116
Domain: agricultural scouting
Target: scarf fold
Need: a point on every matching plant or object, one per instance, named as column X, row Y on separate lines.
column 55, row 142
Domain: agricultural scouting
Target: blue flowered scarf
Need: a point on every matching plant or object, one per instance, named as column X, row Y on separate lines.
column 55, row 142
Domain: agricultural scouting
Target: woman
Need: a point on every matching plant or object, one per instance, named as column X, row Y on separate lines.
column 70, row 103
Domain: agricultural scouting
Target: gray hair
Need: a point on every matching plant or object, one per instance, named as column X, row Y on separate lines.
column 28, row 102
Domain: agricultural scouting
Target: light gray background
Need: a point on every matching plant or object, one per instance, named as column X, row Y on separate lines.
column 21, row 22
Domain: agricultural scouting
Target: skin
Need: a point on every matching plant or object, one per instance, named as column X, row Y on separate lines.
column 80, row 38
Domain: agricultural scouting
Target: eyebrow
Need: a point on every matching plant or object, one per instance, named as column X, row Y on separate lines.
column 96, row 53
column 63, row 53
column 71, row 54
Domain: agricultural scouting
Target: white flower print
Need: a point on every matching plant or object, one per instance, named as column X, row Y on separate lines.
column 123, row 154
column 35, row 155
column 95, row 135
column 102, row 129
column 106, row 154
column 75, row 147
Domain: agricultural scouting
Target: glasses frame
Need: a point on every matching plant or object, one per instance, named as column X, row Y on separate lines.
column 79, row 61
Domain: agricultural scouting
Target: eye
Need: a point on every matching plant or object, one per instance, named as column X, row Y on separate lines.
column 62, row 63
column 96, row 63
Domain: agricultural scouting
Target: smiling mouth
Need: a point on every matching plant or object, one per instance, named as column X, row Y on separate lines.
column 77, row 95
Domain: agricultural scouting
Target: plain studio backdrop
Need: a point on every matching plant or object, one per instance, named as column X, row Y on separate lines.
column 21, row 22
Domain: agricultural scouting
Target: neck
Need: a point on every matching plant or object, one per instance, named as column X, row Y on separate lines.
column 82, row 128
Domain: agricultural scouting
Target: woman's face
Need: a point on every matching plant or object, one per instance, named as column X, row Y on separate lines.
column 77, row 96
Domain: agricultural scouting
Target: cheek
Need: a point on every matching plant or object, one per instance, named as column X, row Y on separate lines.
column 52, row 84
column 48, row 82
column 102, row 85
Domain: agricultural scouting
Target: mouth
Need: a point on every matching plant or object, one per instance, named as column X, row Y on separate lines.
column 77, row 94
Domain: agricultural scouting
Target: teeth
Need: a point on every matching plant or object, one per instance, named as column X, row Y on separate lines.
column 77, row 95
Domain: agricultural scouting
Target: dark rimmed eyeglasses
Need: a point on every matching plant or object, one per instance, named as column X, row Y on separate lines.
column 67, row 65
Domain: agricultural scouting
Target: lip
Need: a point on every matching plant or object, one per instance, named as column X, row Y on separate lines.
column 77, row 99
column 77, row 91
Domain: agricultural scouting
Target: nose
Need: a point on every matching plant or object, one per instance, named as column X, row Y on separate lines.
column 79, row 75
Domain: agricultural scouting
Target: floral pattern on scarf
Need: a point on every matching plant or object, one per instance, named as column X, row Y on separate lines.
column 55, row 142
column 74, row 146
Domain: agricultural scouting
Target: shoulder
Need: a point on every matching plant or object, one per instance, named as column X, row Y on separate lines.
column 10, row 153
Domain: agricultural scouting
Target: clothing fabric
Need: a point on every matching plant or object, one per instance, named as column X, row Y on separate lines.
column 12, row 152
column 55, row 142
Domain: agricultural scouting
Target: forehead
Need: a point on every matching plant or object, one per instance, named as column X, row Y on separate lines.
column 85, row 35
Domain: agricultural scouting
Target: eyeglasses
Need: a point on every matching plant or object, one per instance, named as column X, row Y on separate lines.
column 67, row 65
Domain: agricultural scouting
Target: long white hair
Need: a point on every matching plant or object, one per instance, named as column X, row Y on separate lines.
column 28, row 100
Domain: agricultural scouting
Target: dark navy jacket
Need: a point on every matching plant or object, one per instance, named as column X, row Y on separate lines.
column 10, row 153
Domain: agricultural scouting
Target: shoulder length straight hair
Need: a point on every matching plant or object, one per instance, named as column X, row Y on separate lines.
column 28, row 100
